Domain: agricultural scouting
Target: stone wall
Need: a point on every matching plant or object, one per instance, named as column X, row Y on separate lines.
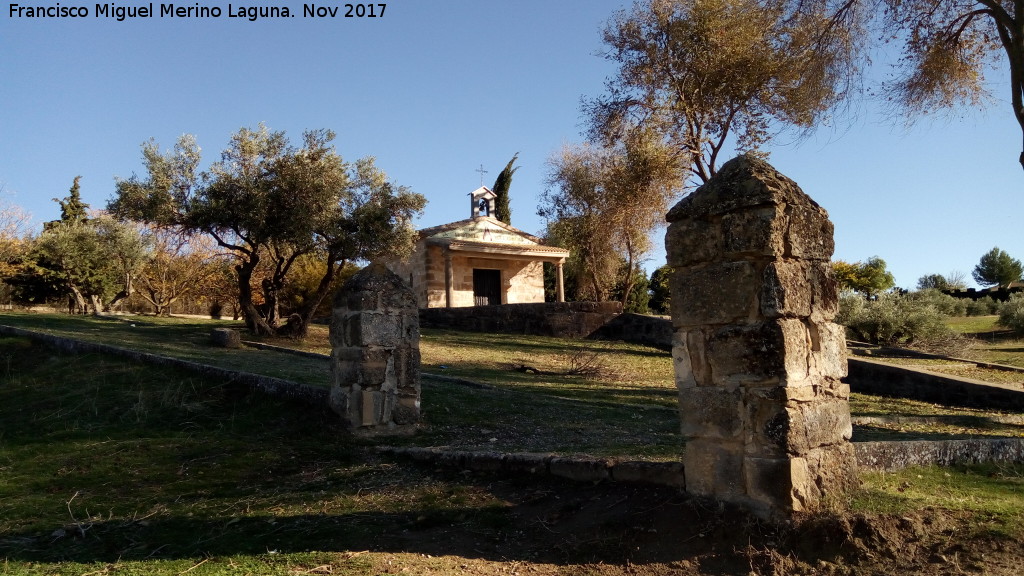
column 563, row 319
column 871, row 377
column 653, row 331
column 758, row 359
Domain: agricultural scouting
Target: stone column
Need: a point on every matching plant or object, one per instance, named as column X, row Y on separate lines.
column 758, row 361
column 375, row 356
column 561, row 282
column 449, row 279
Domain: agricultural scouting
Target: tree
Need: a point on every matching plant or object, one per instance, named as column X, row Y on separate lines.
column 661, row 295
column 997, row 268
column 270, row 203
column 502, row 209
column 638, row 300
column 948, row 44
column 14, row 237
column 93, row 261
column 181, row 264
column 952, row 281
column 72, row 209
column 869, row 278
column 705, row 74
column 603, row 203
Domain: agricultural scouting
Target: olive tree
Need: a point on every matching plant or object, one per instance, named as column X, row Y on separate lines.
column 603, row 203
column 269, row 203
column 710, row 74
column 94, row 261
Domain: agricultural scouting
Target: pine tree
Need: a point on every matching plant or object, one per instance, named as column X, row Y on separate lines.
column 502, row 210
column 997, row 268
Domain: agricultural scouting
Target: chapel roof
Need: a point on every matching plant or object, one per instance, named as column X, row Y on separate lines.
column 469, row 222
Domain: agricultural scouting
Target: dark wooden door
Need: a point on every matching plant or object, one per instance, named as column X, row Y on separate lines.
column 486, row 287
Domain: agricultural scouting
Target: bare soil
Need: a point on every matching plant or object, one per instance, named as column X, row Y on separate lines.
column 568, row 528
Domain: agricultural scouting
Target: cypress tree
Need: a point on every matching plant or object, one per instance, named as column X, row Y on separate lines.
column 72, row 209
column 502, row 210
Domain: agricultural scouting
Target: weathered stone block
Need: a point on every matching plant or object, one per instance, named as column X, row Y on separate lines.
column 226, row 338
column 777, row 483
column 580, row 470
column 825, row 291
column 365, row 366
column 717, row 293
column 744, row 182
column 832, row 472
column 711, row 412
column 714, row 468
column 406, row 409
column 526, row 462
column 359, row 301
column 768, row 423
column 693, row 241
column 786, row 289
column 485, row 461
column 688, row 358
column 759, row 354
column 660, row 473
column 810, row 234
column 828, row 349
column 754, row 233
column 375, row 328
column 817, row 424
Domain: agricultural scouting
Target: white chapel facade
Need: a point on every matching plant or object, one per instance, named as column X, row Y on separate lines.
column 479, row 261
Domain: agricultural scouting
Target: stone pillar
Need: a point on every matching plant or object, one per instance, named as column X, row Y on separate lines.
column 449, row 279
column 758, row 361
column 375, row 356
column 561, row 282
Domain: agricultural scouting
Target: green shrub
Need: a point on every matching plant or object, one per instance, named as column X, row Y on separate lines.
column 1011, row 313
column 982, row 307
column 896, row 320
column 944, row 303
column 851, row 308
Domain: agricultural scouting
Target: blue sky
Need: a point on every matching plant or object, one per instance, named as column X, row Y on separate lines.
column 435, row 89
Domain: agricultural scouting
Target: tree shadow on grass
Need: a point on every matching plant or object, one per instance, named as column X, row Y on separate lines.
column 537, row 520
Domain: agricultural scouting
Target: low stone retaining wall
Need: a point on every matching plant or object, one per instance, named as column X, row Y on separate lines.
column 577, row 469
column 872, row 377
column 653, row 331
column 898, row 455
column 231, row 378
column 562, row 319
column 878, row 456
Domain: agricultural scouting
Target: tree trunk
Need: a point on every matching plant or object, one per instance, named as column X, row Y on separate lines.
column 305, row 315
column 95, row 304
column 253, row 320
column 78, row 299
column 627, row 288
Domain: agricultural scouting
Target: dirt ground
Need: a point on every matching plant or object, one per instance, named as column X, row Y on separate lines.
column 553, row 527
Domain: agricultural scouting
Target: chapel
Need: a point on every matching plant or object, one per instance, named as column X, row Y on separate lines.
column 480, row 261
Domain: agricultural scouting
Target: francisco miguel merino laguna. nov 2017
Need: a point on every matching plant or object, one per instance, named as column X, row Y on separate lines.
column 121, row 13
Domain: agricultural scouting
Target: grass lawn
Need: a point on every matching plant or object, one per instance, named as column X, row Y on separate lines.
column 624, row 407
column 993, row 343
